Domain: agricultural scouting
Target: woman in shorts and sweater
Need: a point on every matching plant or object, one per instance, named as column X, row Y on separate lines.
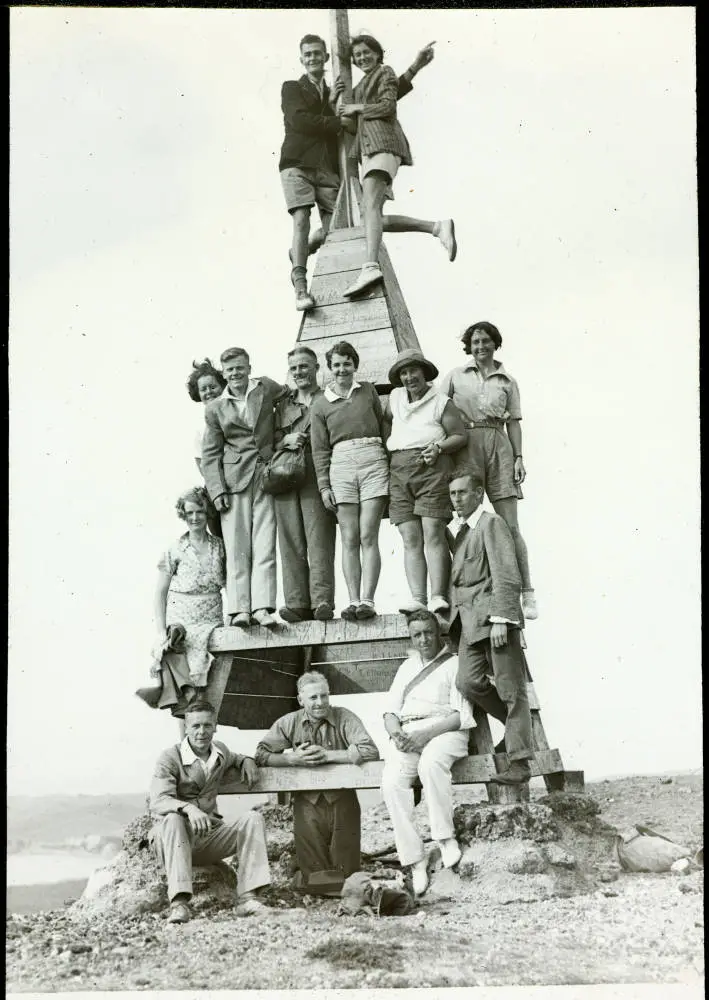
column 346, row 431
column 426, row 429
column 381, row 148
column 488, row 399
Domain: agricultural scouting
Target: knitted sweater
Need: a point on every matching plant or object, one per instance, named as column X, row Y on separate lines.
column 360, row 416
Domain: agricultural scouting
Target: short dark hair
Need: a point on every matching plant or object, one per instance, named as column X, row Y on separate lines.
column 489, row 328
column 465, row 472
column 233, row 352
column 200, row 705
column 345, row 350
column 424, row 615
column 371, row 42
column 200, row 369
column 312, row 40
column 303, row 350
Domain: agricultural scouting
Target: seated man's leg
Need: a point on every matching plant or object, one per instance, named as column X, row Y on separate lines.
column 346, row 832
column 437, row 758
column 398, row 776
column 172, row 841
column 511, row 682
column 473, row 680
column 312, row 834
column 246, row 838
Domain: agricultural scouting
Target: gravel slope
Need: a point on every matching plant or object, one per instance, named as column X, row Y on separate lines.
column 637, row 928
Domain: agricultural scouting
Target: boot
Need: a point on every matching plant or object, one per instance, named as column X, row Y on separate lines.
column 518, row 773
column 303, row 300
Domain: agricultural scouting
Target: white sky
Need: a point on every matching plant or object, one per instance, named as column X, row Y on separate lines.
column 148, row 229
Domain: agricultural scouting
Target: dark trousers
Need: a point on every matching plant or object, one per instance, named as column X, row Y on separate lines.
column 327, row 834
column 507, row 699
column 306, row 540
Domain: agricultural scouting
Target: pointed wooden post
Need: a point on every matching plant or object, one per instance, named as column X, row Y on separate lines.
column 343, row 216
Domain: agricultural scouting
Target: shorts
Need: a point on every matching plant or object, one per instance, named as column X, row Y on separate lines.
column 359, row 471
column 488, row 451
column 418, row 490
column 388, row 163
column 304, row 187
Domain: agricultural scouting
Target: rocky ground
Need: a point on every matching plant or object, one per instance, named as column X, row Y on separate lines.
column 539, row 900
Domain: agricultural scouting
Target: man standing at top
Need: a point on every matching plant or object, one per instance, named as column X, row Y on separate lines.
column 308, row 164
column 306, row 530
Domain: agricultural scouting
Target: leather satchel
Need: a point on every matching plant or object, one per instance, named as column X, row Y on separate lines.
column 284, row 472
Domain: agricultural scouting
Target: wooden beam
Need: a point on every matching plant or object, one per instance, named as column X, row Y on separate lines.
column 340, row 321
column 469, row 770
column 341, row 66
column 328, row 289
column 231, row 639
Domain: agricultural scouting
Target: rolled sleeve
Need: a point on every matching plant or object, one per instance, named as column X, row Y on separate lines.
column 514, row 406
column 276, row 740
column 360, row 745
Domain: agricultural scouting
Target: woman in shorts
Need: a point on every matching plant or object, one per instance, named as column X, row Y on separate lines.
column 346, row 431
column 426, row 429
column 381, row 148
column 488, row 399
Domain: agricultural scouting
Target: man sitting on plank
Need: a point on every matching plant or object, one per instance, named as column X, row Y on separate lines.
column 428, row 721
column 326, row 824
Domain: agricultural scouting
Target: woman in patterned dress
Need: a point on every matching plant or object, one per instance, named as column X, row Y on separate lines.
column 191, row 575
column 488, row 399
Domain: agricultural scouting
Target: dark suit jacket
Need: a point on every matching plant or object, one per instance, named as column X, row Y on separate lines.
column 485, row 578
column 231, row 449
column 311, row 125
column 173, row 784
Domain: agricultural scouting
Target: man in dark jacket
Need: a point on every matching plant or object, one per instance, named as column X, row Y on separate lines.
column 308, row 164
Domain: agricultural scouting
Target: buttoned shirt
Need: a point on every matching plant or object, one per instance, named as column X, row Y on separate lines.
column 339, row 729
column 435, row 696
column 491, row 398
column 190, row 757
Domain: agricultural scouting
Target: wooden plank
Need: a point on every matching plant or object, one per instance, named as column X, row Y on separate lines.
column 229, row 639
column 377, row 353
column 532, row 696
column 327, row 289
column 402, row 324
column 352, row 677
column 260, row 679
column 217, row 681
column 344, row 235
column 343, row 319
column 469, row 770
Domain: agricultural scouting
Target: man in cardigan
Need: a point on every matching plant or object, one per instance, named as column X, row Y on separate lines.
column 306, row 530
column 237, row 442
column 487, row 617
column 326, row 824
column 188, row 829
column 308, row 165
column 428, row 721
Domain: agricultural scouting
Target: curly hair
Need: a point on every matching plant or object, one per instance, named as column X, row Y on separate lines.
column 489, row 328
column 370, row 42
column 197, row 495
column 199, row 369
column 345, row 350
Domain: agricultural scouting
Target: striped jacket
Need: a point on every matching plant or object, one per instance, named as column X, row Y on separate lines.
column 378, row 130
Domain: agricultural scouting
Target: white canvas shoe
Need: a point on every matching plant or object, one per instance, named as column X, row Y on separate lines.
column 419, row 877
column 450, row 852
column 369, row 275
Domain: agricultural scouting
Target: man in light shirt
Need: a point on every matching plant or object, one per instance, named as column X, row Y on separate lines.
column 487, row 618
column 428, row 721
column 188, row 829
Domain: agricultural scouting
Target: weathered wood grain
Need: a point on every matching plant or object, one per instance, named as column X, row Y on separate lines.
column 469, row 770
column 346, row 256
column 230, row 639
column 328, row 289
column 341, row 320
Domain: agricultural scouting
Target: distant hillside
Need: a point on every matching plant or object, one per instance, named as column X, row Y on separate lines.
column 51, row 819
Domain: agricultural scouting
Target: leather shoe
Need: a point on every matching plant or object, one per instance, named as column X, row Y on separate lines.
column 323, row 613
column 518, row 773
column 179, row 913
column 293, row 615
column 241, row 620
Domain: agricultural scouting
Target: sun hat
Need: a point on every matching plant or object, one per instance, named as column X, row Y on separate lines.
column 409, row 357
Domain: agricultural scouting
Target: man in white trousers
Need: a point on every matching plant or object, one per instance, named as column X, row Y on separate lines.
column 428, row 721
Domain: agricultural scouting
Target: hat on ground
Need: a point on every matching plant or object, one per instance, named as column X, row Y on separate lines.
column 412, row 356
